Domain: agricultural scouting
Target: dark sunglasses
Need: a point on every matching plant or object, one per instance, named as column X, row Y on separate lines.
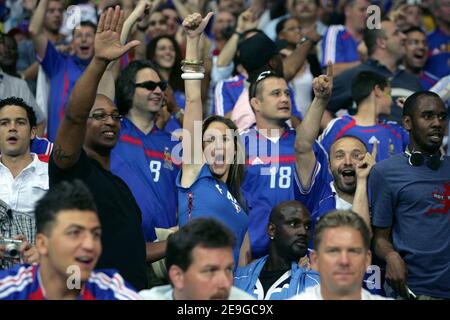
column 151, row 85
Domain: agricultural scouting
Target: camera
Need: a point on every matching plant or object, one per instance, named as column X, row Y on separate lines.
column 12, row 248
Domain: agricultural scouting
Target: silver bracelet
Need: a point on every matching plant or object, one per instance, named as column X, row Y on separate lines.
column 192, row 76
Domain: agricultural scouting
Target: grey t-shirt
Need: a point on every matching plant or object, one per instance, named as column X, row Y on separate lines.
column 415, row 202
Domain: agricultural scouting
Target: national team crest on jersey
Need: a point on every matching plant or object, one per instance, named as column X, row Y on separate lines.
column 167, row 159
column 391, row 148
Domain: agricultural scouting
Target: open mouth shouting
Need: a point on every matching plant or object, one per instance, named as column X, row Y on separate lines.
column 85, row 50
column 348, row 176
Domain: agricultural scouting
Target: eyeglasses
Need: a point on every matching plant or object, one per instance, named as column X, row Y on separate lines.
column 104, row 116
column 151, row 85
column 263, row 75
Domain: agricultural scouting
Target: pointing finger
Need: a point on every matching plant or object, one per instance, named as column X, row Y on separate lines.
column 375, row 150
column 330, row 69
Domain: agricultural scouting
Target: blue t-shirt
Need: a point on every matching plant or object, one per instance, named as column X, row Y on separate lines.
column 22, row 282
column 145, row 163
column 63, row 72
column 391, row 138
column 210, row 197
column 438, row 53
column 415, row 203
column 338, row 46
column 271, row 178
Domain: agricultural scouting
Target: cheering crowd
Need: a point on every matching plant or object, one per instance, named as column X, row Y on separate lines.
column 224, row 149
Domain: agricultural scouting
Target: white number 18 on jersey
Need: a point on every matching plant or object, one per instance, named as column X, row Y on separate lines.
column 282, row 175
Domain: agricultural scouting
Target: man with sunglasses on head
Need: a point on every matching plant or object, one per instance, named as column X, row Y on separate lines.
column 88, row 132
column 284, row 163
column 142, row 156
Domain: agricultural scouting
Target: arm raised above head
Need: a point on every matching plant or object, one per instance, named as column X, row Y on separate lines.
column 70, row 136
column 194, row 25
column 308, row 130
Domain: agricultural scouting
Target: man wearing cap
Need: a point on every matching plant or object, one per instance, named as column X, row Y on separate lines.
column 284, row 163
column 232, row 95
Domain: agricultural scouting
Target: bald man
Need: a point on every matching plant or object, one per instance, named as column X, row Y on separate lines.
column 350, row 165
column 85, row 138
column 285, row 271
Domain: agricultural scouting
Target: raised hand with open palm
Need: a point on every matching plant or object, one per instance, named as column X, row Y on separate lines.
column 107, row 39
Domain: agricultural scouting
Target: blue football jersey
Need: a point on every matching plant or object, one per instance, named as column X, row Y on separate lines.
column 438, row 53
column 63, row 72
column 338, row 46
column 22, row 282
column 145, row 162
column 391, row 138
column 427, row 80
column 227, row 92
column 42, row 147
column 271, row 178
column 209, row 197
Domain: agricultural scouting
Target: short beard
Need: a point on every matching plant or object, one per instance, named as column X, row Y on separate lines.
column 341, row 187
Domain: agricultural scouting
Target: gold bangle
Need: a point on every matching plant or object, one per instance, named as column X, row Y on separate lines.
column 192, row 62
column 193, row 68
